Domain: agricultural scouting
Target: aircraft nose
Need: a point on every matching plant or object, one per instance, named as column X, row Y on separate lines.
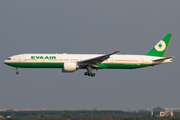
column 5, row 61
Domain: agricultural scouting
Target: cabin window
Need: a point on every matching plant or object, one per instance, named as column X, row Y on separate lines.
column 8, row 58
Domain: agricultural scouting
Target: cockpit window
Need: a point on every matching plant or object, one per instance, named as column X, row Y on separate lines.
column 8, row 58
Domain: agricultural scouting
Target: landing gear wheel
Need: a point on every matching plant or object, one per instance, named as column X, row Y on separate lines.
column 89, row 74
column 86, row 73
column 17, row 72
column 93, row 74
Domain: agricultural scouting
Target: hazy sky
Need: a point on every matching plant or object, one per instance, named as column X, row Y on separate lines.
column 89, row 26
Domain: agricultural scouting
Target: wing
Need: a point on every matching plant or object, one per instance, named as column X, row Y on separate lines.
column 93, row 61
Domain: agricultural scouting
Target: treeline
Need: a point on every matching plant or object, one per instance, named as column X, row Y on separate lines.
column 67, row 112
column 93, row 118
column 87, row 114
column 84, row 113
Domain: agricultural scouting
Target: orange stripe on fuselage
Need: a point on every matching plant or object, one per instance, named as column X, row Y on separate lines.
column 102, row 62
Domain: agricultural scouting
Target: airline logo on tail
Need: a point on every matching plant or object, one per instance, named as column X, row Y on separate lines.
column 160, row 46
column 159, row 50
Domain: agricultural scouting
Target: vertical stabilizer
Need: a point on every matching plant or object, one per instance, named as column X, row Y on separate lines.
column 161, row 47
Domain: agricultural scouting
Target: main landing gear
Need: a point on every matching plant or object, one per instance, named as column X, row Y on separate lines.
column 89, row 72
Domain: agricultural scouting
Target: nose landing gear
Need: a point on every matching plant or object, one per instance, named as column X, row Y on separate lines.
column 17, row 72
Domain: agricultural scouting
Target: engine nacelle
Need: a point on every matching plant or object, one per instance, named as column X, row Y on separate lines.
column 69, row 67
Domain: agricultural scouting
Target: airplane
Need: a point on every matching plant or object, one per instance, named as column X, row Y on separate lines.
column 72, row 62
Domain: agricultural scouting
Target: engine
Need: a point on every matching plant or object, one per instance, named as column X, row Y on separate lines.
column 69, row 67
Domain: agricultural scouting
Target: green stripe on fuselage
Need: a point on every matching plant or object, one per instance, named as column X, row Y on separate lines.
column 122, row 66
column 60, row 65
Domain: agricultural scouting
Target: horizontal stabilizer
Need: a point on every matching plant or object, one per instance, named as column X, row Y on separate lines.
column 162, row 59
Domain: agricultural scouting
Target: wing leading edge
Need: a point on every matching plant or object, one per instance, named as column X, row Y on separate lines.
column 93, row 61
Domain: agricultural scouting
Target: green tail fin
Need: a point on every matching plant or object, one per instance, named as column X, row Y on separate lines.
column 161, row 47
